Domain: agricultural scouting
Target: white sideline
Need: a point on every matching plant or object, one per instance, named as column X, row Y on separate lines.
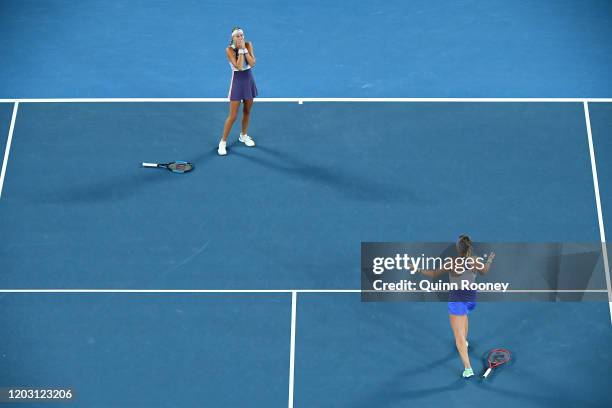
column 7, row 149
column 602, row 231
column 292, row 347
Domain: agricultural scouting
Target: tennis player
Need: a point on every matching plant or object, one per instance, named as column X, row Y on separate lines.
column 462, row 302
column 241, row 57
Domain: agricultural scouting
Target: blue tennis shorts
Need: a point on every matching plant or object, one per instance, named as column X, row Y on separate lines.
column 461, row 308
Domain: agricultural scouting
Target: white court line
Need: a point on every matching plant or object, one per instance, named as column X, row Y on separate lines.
column 292, row 347
column 298, row 100
column 602, row 231
column 7, row 149
column 281, row 291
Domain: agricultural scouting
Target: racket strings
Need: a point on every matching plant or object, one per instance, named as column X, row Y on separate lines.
column 180, row 167
column 499, row 357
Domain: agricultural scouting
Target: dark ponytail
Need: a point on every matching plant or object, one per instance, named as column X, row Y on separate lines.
column 464, row 245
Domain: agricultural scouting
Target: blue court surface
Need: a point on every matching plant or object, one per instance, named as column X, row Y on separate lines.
column 312, row 48
column 238, row 284
column 150, row 350
column 291, row 213
column 6, row 111
column 601, row 123
column 390, row 355
column 285, row 216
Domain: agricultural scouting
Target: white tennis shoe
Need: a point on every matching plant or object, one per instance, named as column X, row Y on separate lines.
column 247, row 140
column 221, row 151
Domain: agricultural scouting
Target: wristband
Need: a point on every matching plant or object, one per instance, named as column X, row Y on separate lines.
column 243, row 51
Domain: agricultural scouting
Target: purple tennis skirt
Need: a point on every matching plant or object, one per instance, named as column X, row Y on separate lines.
column 242, row 86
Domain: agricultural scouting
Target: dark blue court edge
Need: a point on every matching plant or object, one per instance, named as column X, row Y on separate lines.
column 432, row 48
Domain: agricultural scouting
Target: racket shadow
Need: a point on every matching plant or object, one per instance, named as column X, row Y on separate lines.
column 497, row 370
column 532, row 378
column 348, row 185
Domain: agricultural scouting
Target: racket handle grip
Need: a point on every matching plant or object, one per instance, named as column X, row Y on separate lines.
column 149, row 164
column 486, row 374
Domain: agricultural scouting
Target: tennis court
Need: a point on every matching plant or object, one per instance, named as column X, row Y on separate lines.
column 238, row 284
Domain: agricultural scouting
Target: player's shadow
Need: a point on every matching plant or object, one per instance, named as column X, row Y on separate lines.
column 418, row 370
column 110, row 188
column 406, row 384
column 348, row 185
column 201, row 158
column 117, row 187
column 559, row 398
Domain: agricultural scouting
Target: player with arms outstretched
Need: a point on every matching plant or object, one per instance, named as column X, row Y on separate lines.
column 462, row 302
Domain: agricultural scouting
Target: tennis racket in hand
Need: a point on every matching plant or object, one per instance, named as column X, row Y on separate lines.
column 496, row 358
column 175, row 166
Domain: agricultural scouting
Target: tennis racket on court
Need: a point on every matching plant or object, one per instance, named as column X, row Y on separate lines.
column 496, row 358
column 175, row 166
